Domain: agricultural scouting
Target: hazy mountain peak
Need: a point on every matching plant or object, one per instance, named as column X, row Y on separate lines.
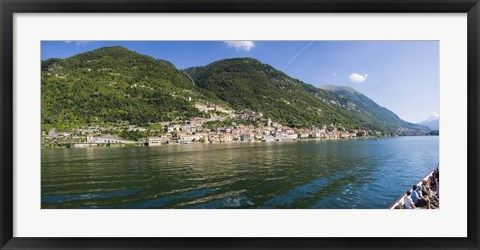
column 432, row 118
column 432, row 121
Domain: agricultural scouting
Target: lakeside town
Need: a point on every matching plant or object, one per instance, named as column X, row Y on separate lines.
column 223, row 126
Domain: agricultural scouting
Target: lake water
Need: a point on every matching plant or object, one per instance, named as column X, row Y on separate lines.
column 305, row 174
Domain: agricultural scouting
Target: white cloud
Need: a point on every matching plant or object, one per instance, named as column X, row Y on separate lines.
column 357, row 78
column 81, row 44
column 78, row 44
column 435, row 114
column 241, row 45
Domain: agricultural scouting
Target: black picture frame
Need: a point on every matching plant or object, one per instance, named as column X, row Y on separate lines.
column 10, row 7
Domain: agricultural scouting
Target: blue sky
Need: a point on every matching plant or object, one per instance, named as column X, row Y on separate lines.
column 402, row 76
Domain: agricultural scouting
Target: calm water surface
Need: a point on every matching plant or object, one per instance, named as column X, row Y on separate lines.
column 306, row 174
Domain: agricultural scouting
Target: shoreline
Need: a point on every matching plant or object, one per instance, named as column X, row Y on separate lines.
column 142, row 144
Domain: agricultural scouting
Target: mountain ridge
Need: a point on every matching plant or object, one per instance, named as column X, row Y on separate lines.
column 354, row 106
column 371, row 107
column 117, row 85
column 113, row 85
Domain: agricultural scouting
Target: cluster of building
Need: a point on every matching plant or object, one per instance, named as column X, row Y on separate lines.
column 194, row 132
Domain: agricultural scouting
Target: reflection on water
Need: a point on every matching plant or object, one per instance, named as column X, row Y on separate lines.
column 308, row 174
column 90, row 152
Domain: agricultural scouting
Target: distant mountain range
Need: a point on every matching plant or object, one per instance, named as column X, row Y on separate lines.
column 116, row 85
column 351, row 97
column 431, row 122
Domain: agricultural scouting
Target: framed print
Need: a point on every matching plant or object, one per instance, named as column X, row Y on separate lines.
column 257, row 125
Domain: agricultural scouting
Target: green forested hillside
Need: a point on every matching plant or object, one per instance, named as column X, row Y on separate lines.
column 247, row 83
column 113, row 84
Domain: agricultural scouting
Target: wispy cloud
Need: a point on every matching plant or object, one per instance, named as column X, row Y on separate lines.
column 298, row 54
column 358, row 78
column 81, row 44
column 240, row 45
column 78, row 44
column 435, row 114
